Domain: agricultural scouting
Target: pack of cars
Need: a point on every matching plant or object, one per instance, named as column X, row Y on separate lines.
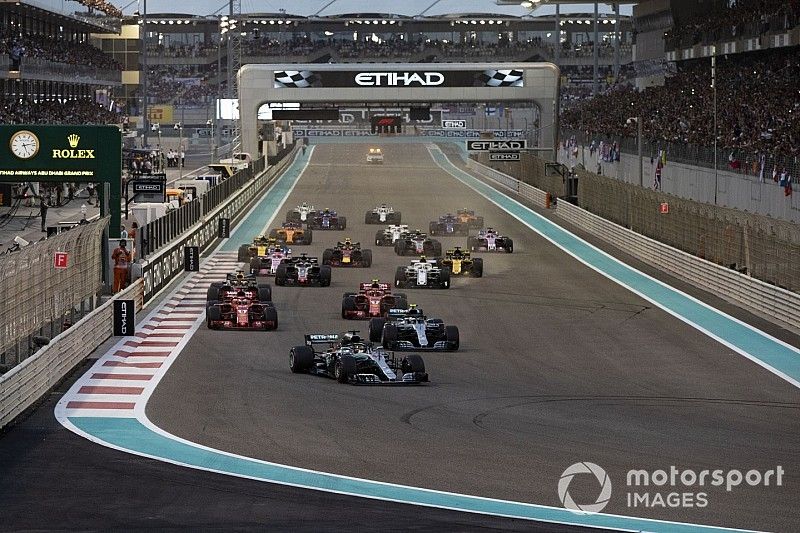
column 347, row 254
column 350, row 359
column 240, row 302
column 373, row 299
column 267, row 258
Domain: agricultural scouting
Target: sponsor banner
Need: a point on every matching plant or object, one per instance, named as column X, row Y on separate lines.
column 124, row 318
column 422, row 77
column 224, row 228
column 504, row 156
column 191, row 259
column 453, row 124
column 426, row 132
column 496, row 145
column 149, row 187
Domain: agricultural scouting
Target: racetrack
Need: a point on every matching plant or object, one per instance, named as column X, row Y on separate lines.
column 558, row 365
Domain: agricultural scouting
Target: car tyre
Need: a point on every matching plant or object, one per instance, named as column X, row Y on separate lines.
column 344, row 368
column 400, row 277
column 271, row 315
column 212, row 313
column 301, row 359
column 280, row 275
column 327, row 255
column 348, row 304
column 477, row 267
column 366, row 258
column 444, row 279
column 412, row 363
column 244, row 253
column 308, row 236
column 389, row 336
column 212, row 294
column 324, row 276
column 451, row 335
column 264, row 292
column 376, row 329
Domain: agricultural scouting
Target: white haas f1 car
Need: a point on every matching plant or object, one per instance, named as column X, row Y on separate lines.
column 304, row 271
column 388, row 236
column 383, row 214
column 488, row 240
column 422, row 273
column 349, row 359
column 301, row 213
column 412, row 330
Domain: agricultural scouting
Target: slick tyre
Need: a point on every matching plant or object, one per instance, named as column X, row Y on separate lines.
column 244, row 253
column 451, row 335
column 376, row 329
column 344, row 368
column 264, row 292
column 301, row 359
column 389, row 336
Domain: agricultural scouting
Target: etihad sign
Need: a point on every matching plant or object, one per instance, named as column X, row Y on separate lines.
column 72, row 153
column 399, row 79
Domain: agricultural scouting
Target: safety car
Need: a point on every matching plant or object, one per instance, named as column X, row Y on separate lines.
column 375, row 155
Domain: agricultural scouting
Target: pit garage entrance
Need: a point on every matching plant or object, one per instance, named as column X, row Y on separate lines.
column 311, row 85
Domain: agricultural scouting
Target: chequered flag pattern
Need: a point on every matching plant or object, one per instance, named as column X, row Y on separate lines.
column 502, row 78
column 296, row 79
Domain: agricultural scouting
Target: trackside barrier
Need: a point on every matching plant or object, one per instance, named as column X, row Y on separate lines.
column 163, row 266
column 26, row 383
column 769, row 300
column 537, row 196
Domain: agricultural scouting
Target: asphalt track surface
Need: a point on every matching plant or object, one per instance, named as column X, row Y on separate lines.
column 558, row 365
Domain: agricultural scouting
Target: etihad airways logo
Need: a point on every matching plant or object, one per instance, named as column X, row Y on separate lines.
column 73, row 141
column 397, row 79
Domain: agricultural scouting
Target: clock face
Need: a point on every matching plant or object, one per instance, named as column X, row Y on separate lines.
column 24, row 144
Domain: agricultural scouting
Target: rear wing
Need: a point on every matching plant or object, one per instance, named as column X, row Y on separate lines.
column 397, row 313
column 367, row 286
column 321, row 338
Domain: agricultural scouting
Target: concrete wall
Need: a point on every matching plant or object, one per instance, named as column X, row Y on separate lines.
column 738, row 191
column 761, row 246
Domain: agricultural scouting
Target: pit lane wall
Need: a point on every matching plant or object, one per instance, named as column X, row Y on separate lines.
column 28, row 382
column 780, row 305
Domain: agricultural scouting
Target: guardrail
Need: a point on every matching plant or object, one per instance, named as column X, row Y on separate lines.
column 769, row 300
column 26, row 383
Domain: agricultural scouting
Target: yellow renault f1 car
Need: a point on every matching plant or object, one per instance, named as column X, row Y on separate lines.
column 460, row 263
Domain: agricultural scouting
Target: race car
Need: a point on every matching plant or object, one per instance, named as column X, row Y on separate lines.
column 267, row 264
column 301, row 213
column 347, row 253
column 422, row 273
column 349, row 359
column 460, row 263
column 375, row 155
column 303, row 270
column 488, row 240
column 292, row 233
column 259, row 246
column 372, row 299
column 388, row 236
column 327, row 219
column 412, row 330
column 468, row 216
column 240, row 303
column 448, row 224
column 417, row 243
column 383, row 214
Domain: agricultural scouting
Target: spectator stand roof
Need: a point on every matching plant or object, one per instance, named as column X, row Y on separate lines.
column 384, row 9
column 69, row 14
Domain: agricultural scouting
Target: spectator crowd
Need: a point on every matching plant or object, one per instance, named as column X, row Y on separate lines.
column 54, row 112
column 56, row 50
column 758, row 104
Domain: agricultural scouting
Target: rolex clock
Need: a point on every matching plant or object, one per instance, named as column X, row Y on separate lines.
column 24, row 144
